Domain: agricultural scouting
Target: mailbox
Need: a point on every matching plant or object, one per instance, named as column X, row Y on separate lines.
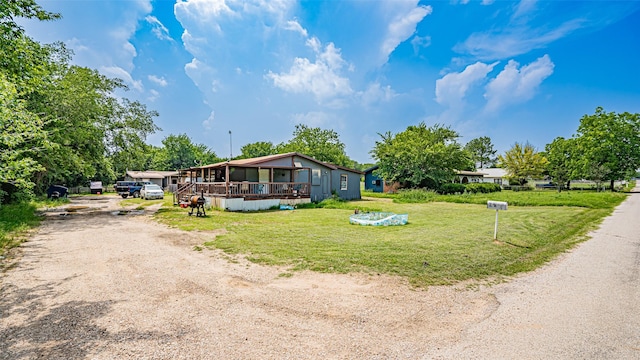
column 497, row 205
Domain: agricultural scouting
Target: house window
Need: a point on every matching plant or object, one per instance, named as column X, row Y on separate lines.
column 497, row 181
column 343, row 182
column 315, row 176
column 377, row 182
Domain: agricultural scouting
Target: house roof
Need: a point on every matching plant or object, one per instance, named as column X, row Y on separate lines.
column 263, row 159
column 344, row 168
column 494, row 172
column 374, row 167
column 469, row 173
column 151, row 174
column 256, row 161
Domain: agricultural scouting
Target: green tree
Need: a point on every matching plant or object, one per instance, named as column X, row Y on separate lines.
column 100, row 136
column 86, row 125
column 179, row 152
column 610, row 140
column 21, row 138
column 257, row 149
column 420, row 156
column 323, row 145
column 482, row 151
column 523, row 163
column 561, row 157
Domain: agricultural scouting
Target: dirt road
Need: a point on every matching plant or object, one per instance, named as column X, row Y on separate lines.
column 98, row 285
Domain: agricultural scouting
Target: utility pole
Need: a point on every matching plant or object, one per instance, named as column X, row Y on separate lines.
column 230, row 147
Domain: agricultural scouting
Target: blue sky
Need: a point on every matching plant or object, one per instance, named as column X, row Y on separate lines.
column 513, row 71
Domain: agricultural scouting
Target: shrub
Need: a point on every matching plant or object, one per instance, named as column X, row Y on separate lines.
column 452, row 188
column 415, row 196
column 483, row 188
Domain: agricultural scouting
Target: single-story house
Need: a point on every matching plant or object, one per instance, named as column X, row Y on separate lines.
column 496, row 176
column 263, row 182
column 162, row 178
column 466, row 177
column 373, row 182
column 377, row 184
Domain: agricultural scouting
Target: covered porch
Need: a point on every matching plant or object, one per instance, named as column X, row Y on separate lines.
column 249, row 182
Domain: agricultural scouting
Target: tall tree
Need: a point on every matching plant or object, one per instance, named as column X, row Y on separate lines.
column 611, row 140
column 324, row 145
column 86, row 125
column 482, row 151
column 561, row 157
column 21, row 139
column 420, row 156
column 180, row 152
column 523, row 163
column 257, row 149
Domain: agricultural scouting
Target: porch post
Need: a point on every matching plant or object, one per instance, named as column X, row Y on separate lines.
column 226, row 178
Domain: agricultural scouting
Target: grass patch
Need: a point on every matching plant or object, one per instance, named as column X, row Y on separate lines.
column 16, row 220
column 587, row 199
column 141, row 203
column 443, row 243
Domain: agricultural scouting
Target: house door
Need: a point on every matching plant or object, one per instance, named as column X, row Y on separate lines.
column 263, row 177
column 326, row 191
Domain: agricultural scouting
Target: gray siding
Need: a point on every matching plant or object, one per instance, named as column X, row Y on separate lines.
column 353, row 184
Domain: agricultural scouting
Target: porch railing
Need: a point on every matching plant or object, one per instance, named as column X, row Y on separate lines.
column 253, row 189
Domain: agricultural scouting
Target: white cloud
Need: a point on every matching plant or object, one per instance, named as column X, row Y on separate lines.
column 314, row 43
column 157, row 80
column 199, row 72
column 154, row 95
column 516, row 36
column 403, row 26
column 321, row 78
column 420, row 42
column 295, row 26
column 376, row 93
column 521, row 40
column 216, row 13
column 120, row 73
column 205, row 10
column 208, row 123
column 452, row 88
column 513, row 85
column 524, row 7
column 159, row 30
column 487, row 2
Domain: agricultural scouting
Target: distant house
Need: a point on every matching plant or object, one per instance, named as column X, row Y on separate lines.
column 373, row 182
column 496, row 176
column 377, row 184
column 163, row 178
column 466, row 177
column 263, row 182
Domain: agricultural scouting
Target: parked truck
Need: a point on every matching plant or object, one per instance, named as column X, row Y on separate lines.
column 129, row 188
column 95, row 187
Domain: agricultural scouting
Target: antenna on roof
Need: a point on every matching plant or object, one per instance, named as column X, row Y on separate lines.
column 230, row 147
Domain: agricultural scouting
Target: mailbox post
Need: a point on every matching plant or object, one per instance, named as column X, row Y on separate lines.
column 497, row 205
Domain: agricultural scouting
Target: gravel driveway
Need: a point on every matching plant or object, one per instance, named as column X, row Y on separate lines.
column 97, row 285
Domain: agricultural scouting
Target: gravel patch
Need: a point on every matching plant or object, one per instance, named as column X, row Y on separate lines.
column 103, row 286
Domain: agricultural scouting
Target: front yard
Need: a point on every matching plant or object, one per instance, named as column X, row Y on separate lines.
column 443, row 243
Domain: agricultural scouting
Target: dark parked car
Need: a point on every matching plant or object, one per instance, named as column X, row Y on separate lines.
column 57, row 191
column 130, row 188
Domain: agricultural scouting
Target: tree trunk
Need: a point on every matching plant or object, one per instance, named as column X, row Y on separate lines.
column 568, row 184
column 611, row 186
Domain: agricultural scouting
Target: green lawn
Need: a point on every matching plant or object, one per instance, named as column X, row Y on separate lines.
column 443, row 243
column 15, row 221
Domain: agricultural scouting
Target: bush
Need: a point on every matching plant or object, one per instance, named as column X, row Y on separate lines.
column 483, row 188
column 415, row 196
column 451, row 188
column 521, row 188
